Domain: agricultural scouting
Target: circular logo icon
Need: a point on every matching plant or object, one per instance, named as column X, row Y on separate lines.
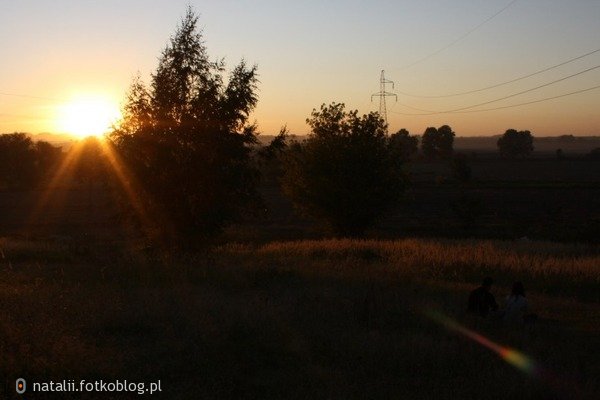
column 21, row 385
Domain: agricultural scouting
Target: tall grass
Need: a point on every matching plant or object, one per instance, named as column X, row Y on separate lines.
column 328, row 319
column 572, row 269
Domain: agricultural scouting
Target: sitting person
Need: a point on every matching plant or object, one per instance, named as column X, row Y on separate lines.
column 517, row 306
column 481, row 301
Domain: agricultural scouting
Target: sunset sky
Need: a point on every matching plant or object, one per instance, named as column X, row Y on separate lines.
column 55, row 54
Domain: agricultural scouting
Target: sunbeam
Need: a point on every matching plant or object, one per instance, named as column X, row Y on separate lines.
column 130, row 187
column 50, row 191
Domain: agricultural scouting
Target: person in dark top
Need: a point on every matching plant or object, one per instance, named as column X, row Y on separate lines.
column 481, row 301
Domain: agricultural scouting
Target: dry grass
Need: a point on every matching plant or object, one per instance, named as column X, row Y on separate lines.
column 553, row 268
column 335, row 319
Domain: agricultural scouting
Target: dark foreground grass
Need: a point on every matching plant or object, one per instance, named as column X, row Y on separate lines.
column 299, row 320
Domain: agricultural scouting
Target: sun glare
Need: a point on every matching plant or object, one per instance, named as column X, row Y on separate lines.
column 88, row 116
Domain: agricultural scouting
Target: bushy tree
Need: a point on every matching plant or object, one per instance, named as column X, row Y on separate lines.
column 515, row 143
column 91, row 165
column 48, row 157
column 186, row 136
column 17, row 160
column 405, row 144
column 269, row 157
column 438, row 143
column 345, row 173
column 23, row 162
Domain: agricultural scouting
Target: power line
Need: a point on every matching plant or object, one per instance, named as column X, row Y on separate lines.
column 534, row 101
column 30, row 97
column 509, row 106
column 432, row 112
column 506, row 82
column 528, row 90
column 459, row 38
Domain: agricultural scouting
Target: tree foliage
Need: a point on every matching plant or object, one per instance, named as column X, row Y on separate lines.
column 346, row 173
column 405, row 144
column 17, row 160
column 47, row 158
column 270, row 157
column 186, row 136
column 437, row 143
column 515, row 143
column 23, row 162
column 90, row 164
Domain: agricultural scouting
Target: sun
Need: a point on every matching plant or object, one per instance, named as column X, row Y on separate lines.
column 90, row 115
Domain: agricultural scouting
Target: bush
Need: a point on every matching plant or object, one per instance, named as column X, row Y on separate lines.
column 346, row 174
column 514, row 144
column 438, row 143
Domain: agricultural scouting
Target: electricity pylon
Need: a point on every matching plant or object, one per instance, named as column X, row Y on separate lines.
column 382, row 94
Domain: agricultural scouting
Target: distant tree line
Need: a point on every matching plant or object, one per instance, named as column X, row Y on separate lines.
column 25, row 163
column 187, row 143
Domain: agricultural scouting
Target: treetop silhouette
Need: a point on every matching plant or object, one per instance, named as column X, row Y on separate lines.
column 346, row 173
column 186, row 136
column 515, row 143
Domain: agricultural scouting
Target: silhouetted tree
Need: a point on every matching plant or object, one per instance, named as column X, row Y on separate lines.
column 276, row 146
column 91, row 164
column 346, row 173
column 515, row 143
column 47, row 158
column 186, row 137
column 405, row 144
column 91, row 171
column 566, row 138
column 269, row 157
column 17, row 160
column 437, row 143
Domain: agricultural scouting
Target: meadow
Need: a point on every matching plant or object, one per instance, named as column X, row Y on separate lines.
column 274, row 309
column 322, row 319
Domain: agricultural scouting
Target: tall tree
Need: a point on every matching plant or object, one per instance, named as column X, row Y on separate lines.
column 25, row 163
column 406, row 145
column 438, row 143
column 346, row 173
column 515, row 143
column 48, row 157
column 17, row 160
column 186, row 136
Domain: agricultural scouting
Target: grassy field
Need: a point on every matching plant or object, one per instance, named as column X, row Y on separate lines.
column 329, row 319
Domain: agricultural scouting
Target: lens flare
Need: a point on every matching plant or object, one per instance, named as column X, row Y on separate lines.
column 560, row 385
column 510, row 355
